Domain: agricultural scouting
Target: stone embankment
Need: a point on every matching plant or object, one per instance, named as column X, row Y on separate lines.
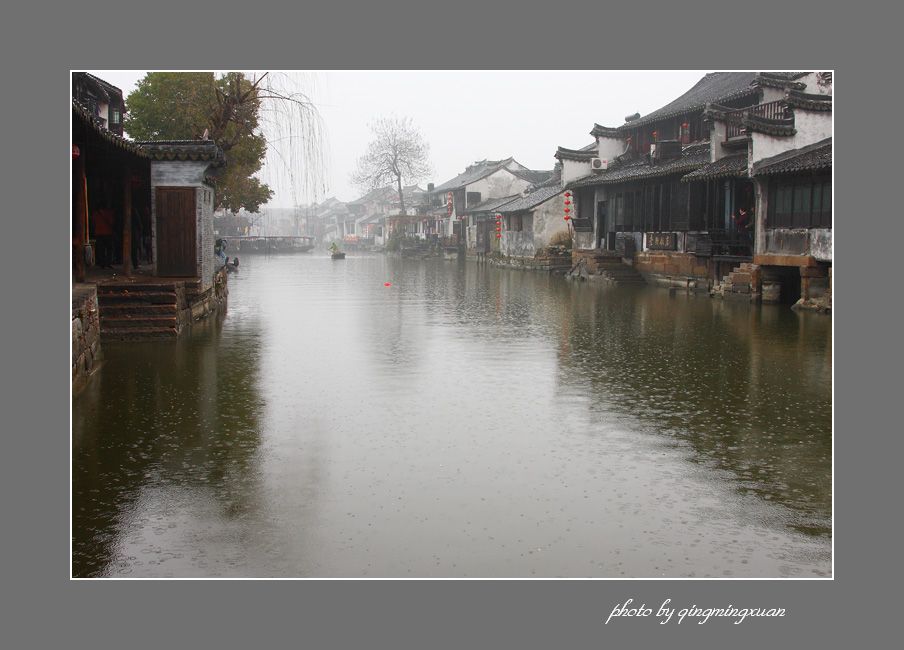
column 85, row 334
column 552, row 259
column 603, row 267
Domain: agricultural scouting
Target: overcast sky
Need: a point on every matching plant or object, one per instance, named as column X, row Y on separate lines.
column 464, row 115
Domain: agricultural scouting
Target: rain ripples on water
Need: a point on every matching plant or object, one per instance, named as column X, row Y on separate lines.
column 464, row 421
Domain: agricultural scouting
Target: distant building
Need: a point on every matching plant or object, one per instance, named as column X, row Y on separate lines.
column 480, row 182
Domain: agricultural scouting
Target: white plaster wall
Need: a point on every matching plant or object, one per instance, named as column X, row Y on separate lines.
column 573, row 169
column 716, row 138
column 771, row 94
column 813, row 86
column 178, row 173
column 811, row 126
column 518, row 243
column 609, row 148
column 498, row 185
column 547, row 221
column 821, row 244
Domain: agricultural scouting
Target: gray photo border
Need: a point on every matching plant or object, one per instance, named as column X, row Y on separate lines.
column 49, row 610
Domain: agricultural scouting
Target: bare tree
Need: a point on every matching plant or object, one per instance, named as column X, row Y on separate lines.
column 397, row 153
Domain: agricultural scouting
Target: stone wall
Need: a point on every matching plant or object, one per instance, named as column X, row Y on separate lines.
column 85, row 334
column 206, row 258
column 673, row 269
column 205, row 301
column 517, row 243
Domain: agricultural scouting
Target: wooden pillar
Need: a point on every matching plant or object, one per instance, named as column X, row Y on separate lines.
column 80, row 210
column 127, row 222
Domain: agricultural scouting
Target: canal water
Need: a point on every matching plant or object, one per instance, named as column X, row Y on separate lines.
column 464, row 421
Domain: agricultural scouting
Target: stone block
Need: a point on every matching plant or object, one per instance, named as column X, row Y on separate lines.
column 771, row 292
column 813, row 272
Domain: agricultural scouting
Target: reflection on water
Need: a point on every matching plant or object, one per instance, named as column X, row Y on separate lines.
column 466, row 421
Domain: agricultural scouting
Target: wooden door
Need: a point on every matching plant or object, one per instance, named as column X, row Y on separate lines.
column 176, row 232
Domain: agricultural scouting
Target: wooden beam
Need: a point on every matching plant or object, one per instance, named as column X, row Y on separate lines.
column 127, row 221
column 81, row 217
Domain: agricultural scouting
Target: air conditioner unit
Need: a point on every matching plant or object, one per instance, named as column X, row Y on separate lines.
column 599, row 164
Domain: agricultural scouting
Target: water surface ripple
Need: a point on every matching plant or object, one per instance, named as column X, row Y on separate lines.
column 464, row 422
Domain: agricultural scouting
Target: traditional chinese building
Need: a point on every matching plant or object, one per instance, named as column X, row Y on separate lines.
column 682, row 194
column 142, row 224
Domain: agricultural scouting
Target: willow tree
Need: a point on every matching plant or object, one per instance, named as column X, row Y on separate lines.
column 397, row 154
column 248, row 117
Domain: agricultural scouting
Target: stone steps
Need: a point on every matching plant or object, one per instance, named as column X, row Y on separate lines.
column 742, row 281
column 131, row 297
column 139, row 321
column 135, row 308
column 133, row 287
column 138, row 311
column 138, row 333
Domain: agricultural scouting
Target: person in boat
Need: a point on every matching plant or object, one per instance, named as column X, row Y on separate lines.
column 334, row 248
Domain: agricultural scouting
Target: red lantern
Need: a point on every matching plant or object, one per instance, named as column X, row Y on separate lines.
column 655, row 134
column 567, row 194
column 76, row 152
column 567, row 217
column 567, row 202
column 567, row 210
column 498, row 236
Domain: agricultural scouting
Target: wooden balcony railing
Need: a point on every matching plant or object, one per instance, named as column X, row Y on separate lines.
column 776, row 110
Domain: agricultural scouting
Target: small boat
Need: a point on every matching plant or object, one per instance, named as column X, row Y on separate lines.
column 338, row 255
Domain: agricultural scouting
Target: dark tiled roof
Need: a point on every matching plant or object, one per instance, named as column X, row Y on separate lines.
column 729, row 166
column 787, row 75
column 490, row 204
column 533, row 176
column 195, row 150
column 780, row 127
column 714, row 87
column 575, row 154
column 533, row 199
column 809, row 101
column 692, row 157
column 375, row 195
column 86, row 117
column 781, row 80
column 605, row 131
column 814, row 156
column 473, row 173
